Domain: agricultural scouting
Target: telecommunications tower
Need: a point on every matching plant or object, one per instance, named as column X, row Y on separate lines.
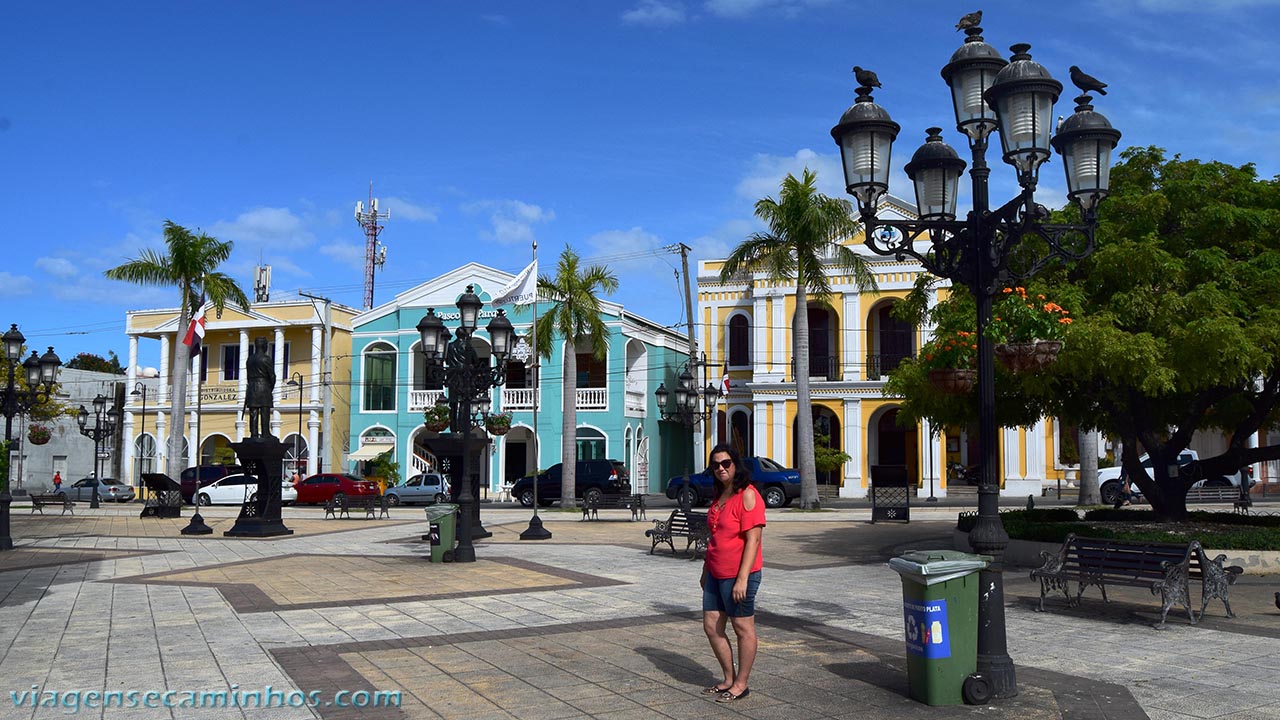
column 375, row 253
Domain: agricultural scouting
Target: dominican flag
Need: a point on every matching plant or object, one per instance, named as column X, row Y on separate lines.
column 724, row 385
column 195, row 332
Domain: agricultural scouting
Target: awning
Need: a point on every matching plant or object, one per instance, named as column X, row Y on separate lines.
column 370, row 451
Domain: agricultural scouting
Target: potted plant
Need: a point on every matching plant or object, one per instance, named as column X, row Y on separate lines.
column 38, row 434
column 1027, row 330
column 437, row 417
column 498, row 423
column 950, row 359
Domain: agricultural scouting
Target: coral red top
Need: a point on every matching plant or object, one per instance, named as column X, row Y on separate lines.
column 729, row 526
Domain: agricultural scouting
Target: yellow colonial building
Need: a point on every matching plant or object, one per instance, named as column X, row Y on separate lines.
column 745, row 326
column 310, row 345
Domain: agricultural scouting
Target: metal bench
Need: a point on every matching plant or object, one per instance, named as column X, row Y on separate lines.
column 689, row 525
column 39, row 501
column 594, row 503
column 1164, row 568
column 374, row 506
column 1220, row 494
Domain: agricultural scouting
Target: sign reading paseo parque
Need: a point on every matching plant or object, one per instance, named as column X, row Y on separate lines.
column 456, row 315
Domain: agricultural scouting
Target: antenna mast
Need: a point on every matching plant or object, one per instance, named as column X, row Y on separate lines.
column 375, row 254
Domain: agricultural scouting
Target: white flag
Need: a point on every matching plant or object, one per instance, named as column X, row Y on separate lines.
column 521, row 291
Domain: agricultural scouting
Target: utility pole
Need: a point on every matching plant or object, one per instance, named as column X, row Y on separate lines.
column 688, row 301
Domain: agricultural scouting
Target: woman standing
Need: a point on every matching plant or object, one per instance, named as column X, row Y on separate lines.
column 731, row 573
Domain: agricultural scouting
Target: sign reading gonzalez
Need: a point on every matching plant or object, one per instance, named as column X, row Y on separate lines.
column 521, row 291
column 926, row 628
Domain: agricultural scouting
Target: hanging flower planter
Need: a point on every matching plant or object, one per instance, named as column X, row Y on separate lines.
column 437, row 418
column 952, row 381
column 1028, row 330
column 1047, row 352
column 38, row 434
column 498, row 423
column 1017, row 357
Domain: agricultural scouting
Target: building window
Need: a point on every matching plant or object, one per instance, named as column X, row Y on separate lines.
column 592, row 373
column 204, row 363
column 739, row 341
column 591, row 444
column 231, row 362
column 380, row 378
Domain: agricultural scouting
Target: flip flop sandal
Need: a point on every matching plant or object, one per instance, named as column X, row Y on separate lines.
column 714, row 690
column 728, row 697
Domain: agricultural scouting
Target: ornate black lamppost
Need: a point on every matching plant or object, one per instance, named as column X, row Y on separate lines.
column 140, row 389
column 692, row 407
column 988, row 248
column 295, row 380
column 104, row 426
column 42, row 373
column 468, row 381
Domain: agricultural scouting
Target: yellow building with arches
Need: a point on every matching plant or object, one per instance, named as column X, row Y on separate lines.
column 745, row 328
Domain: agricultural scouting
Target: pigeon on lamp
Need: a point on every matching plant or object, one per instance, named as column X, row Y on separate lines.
column 1086, row 83
column 968, row 21
column 866, row 78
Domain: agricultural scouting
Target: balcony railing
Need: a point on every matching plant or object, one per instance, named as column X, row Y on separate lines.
column 593, row 399
column 880, row 365
column 518, row 398
column 420, row 400
column 821, row 367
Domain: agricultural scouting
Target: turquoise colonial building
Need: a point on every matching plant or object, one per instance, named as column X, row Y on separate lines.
column 617, row 415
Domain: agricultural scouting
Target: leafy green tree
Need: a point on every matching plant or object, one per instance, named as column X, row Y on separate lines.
column 97, row 363
column 191, row 265
column 1177, row 325
column 576, row 318
column 826, row 458
column 802, row 245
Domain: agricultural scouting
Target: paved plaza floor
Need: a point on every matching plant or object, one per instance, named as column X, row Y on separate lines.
column 586, row 625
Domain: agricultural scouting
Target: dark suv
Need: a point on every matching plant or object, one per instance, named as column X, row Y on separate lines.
column 593, row 478
column 205, row 474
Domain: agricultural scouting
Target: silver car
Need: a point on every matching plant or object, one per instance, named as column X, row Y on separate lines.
column 108, row 489
column 425, row 488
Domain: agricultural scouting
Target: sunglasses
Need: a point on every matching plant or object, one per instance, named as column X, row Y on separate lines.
column 724, row 464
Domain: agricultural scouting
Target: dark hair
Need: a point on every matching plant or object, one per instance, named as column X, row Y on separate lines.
column 742, row 474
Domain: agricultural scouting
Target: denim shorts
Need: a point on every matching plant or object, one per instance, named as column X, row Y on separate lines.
column 718, row 595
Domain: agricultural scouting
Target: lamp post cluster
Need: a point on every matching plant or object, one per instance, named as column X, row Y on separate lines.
column 468, row 381
column 41, row 374
column 104, row 426
column 988, row 248
column 692, row 407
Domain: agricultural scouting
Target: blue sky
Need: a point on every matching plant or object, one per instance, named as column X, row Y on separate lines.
column 611, row 127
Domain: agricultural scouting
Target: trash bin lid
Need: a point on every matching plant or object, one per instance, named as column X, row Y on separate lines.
column 439, row 510
column 931, row 566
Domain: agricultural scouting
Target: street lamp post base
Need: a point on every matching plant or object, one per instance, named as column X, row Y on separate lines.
column 478, row 532
column 535, row 530
column 197, row 526
column 999, row 672
column 463, row 554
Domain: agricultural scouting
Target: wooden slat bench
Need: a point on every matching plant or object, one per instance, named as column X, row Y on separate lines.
column 635, row 503
column 39, row 501
column 1219, row 494
column 1164, row 568
column 689, row 525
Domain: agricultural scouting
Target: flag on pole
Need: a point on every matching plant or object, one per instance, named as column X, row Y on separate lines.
column 724, row 385
column 195, row 332
column 522, row 290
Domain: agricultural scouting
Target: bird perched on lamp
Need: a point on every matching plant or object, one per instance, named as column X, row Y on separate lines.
column 1085, row 82
column 970, row 20
column 866, row 77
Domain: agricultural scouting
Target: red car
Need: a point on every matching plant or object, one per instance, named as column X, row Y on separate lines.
column 319, row 489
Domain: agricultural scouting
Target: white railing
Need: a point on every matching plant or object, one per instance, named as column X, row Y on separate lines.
column 518, row 398
column 593, row 399
column 420, row 400
column 421, row 464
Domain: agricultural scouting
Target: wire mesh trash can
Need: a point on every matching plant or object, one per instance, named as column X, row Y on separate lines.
column 164, row 497
column 443, row 531
column 890, row 493
column 940, row 622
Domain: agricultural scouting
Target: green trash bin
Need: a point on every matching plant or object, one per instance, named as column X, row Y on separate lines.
column 940, row 624
column 443, row 531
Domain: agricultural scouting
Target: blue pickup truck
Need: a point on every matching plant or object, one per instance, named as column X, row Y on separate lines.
column 777, row 484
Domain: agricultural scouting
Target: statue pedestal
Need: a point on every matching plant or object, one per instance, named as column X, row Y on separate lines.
column 264, row 459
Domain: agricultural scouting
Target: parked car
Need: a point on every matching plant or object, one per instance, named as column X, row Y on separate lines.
column 108, row 489
column 593, row 478
column 239, row 489
column 1111, row 479
column 423, row 488
column 194, row 478
column 323, row 487
column 778, row 485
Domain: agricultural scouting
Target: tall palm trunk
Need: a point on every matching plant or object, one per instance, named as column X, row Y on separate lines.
column 180, row 364
column 804, row 407
column 569, row 426
column 1087, row 443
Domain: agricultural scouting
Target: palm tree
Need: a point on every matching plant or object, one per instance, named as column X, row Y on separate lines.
column 804, row 239
column 190, row 265
column 576, row 317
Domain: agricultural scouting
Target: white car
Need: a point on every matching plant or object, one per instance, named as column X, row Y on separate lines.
column 1111, row 479
column 239, row 489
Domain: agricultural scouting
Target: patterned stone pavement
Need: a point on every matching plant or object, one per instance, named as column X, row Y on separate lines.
column 586, row 625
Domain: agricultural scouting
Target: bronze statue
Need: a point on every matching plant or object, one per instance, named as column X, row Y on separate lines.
column 259, row 396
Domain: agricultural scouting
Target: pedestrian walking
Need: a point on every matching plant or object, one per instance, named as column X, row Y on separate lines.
column 731, row 571
column 57, row 481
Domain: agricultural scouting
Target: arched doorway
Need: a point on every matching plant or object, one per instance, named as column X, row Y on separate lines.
column 891, row 444
column 826, row 434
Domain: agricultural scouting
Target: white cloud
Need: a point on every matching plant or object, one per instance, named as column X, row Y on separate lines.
column 764, row 178
column 511, row 221
column 350, row 254
column 744, row 8
column 15, row 285
column 405, row 210
column 265, row 227
column 58, row 267
column 655, row 12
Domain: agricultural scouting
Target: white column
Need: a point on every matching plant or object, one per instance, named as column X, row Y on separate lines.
column 313, row 439
column 1035, row 451
column 759, row 337
column 193, row 387
column 127, row 460
column 163, row 395
column 317, row 333
column 162, row 444
column 780, row 431
column 132, row 372
column 932, row 452
column 781, row 346
column 853, row 359
column 278, row 391
column 243, row 384
column 193, row 448
column 855, row 484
